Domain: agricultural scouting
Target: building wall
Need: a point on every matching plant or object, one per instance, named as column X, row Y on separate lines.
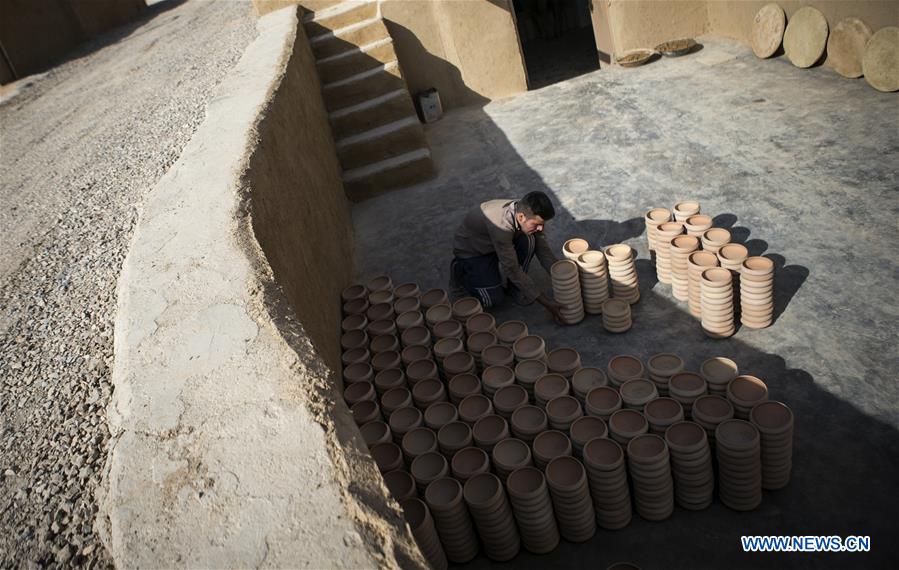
column 623, row 25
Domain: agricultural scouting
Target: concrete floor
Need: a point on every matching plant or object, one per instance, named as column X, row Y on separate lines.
column 801, row 165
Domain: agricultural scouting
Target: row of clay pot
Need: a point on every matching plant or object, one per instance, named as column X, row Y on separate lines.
column 567, row 290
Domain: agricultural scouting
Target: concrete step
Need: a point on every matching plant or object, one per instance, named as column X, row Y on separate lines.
column 381, row 143
column 363, row 86
column 395, row 172
column 339, row 16
column 349, row 38
column 372, row 113
column 351, row 62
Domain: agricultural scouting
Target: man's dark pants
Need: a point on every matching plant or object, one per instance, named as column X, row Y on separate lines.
column 480, row 276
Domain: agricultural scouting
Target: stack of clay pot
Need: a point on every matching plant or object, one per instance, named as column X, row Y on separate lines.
column 744, row 392
column 654, row 218
column 738, row 448
column 527, row 372
column 594, row 280
column 731, row 257
column 567, row 290
column 480, row 322
column 490, row 430
column 571, row 500
column 420, row 522
column 680, row 248
column 508, row 399
column 698, row 224
column 718, row 372
column 623, row 272
column 474, row 407
column 757, row 292
column 510, row 454
column 691, row 462
column 439, row 414
column 697, row 262
column 492, row 515
column 607, row 473
column 636, row 393
column 404, row 420
column 624, row 367
column 550, row 386
column 562, row 411
column 650, row 469
column 444, row 498
column 444, row 348
column 602, row 402
column 527, row 422
column 476, row 344
column 468, row 462
column 572, row 248
column 774, row 420
column 509, row 332
column 616, row 315
column 548, row 445
column 496, row 377
column 714, row 239
column 463, row 385
column 466, row 307
column 683, row 210
column 662, row 367
column 417, row 442
column 529, row 347
column 433, row 297
column 661, row 413
column 375, row 432
column 625, row 425
column 584, row 380
column 533, row 510
column 685, row 387
column 563, row 361
column 437, row 314
column 498, row 355
column 454, row 437
column 717, row 303
column 583, row 430
column 400, row 484
column 664, row 234
column 388, row 456
column 709, row 411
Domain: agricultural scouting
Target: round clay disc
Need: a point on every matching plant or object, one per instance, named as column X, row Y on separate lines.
column 846, row 47
column 881, row 61
column 768, row 30
column 805, row 37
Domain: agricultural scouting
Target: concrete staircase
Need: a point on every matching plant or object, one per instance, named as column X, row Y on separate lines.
column 380, row 141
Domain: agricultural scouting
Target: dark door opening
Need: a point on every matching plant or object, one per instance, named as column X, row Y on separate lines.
column 556, row 38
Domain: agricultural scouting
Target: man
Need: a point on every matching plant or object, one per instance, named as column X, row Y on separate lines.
column 498, row 239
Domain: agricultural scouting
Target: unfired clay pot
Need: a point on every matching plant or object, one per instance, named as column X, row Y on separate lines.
column 416, row 336
column 529, row 347
column 427, row 392
column 428, row 467
column 480, row 322
column 400, row 484
column 718, row 372
column 384, row 343
column 454, row 436
column 365, row 411
column 623, row 368
column 492, row 514
column 418, row 441
column 562, row 411
column 403, row 420
column 550, row 386
column 508, row 399
column 567, row 481
column 496, row 377
column 358, row 372
column 637, row 392
column 624, row 425
column 548, row 445
column 354, row 323
column 532, row 507
column 375, row 432
column 425, row 533
column 439, row 414
column 421, row 369
column 388, row 456
column 407, row 290
column 465, row 308
column 474, row 407
column 355, row 355
column 584, row 429
column 354, row 292
column 434, row 297
column 463, row 385
column 406, row 304
column 527, row 422
column 744, row 392
column 510, row 331
column 510, row 454
column 454, row 526
column 355, row 307
column 602, row 402
column 661, row 413
column 563, row 361
column 469, row 462
column 497, row 355
column 389, row 379
column 489, row 430
column 683, row 210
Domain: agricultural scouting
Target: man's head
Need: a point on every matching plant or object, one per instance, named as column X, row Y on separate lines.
column 533, row 211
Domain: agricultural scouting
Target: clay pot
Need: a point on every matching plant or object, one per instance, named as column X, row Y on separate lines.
column 510, row 331
column 354, row 339
column 424, row 532
column 661, row 413
column 465, row 308
column 355, row 355
column 463, row 385
column 380, row 312
column 550, row 386
column 563, row 361
column 718, row 372
column 585, row 379
column 428, row 391
column 774, row 420
column 594, row 277
column 382, row 326
column 407, row 291
column 406, row 304
column 384, row 343
column 548, row 445
column 637, row 392
column 458, row 363
column 532, row 508
column 624, row 425
column 691, row 462
column 583, row 430
column 709, row 411
column 744, row 392
column 664, row 234
column 477, row 342
column 492, row 514
column 607, row 478
column 489, row 430
column 661, row 368
column 358, row 372
column 479, row 323
column 496, row 377
column 508, row 399
column 354, row 292
column 527, row 372
column 379, row 297
column 562, row 411
column 653, row 219
column 497, row 355
column 448, row 329
column 624, row 367
column 403, row 420
column 439, row 414
column 697, row 262
column 616, row 315
column 731, row 256
column 509, row 455
column 567, row 290
column 400, row 484
column 685, row 387
column 420, row 370
column 530, row 347
column 648, row 464
column 714, row 239
column 683, row 210
column 454, row 526
column 444, row 347
column 454, row 436
column 380, row 283
column 416, row 336
column 418, row 441
column 365, row 411
column 716, row 305
column 355, row 307
column 567, row 481
column 412, row 353
column 386, row 360
column 389, row 379
column 757, row 292
column 680, row 248
column 433, row 297
column 572, row 248
column 438, row 314
column 527, row 422
column 623, row 273
column 602, row 402
column 738, row 449
column 474, row 407
column 375, row 432
column 354, row 323
column 428, row 467
column 388, row 456
column 468, row 462
column 697, row 224
column 410, row 319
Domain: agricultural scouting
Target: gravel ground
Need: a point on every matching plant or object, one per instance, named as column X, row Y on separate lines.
column 81, row 146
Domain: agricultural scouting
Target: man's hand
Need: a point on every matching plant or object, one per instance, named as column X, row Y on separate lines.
column 553, row 307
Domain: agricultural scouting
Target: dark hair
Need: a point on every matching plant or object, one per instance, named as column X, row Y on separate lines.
column 536, row 204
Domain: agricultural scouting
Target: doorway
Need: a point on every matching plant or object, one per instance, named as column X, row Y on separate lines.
column 556, row 39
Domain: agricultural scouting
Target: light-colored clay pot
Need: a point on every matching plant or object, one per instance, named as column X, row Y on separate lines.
column 386, row 360
column 355, row 355
column 561, row 411
column 463, row 385
column 685, row 209
column 421, row 369
column 416, row 336
column 474, row 407
column 591, row 259
column 375, row 432
column 572, row 248
column 418, row 441
column 433, row 297
column 564, row 271
column 508, row 399
column 439, row 414
column 714, row 239
column 384, row 343
column 479, row 323
column 428, row 467
column 402, row 420
column 697, row 224
column 454, row 436
column 358, row 372
column 400, row 484
column 732, row 255
column 653, row 218
column 365, row 411
column 602, row 402
column 428, row 391
column 490, row 430
column 469, row 462
column 388, row 456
